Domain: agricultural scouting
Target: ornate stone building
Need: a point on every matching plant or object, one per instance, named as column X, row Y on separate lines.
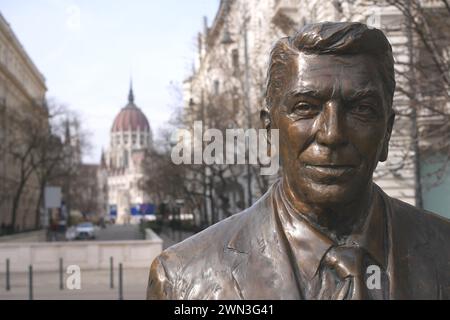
column 22, row 100
column 131, row 139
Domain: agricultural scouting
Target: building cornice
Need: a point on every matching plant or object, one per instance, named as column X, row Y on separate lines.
column 18, row 85
column 6, row 29
column 219, row 20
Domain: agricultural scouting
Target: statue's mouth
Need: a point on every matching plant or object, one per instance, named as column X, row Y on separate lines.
column 330, row 170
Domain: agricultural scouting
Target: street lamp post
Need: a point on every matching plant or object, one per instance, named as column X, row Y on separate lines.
column 179, row 204
column 414, row 116
column 226, row 40
column 247, row 107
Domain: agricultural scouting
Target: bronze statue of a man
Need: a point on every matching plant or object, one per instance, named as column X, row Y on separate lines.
column 324, row 230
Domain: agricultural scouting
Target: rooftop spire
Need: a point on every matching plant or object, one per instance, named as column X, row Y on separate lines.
column 103, row 160
column 67, row 133
column 130, row 94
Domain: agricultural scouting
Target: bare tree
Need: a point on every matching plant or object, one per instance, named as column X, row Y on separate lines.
column 424, row 81
column 36, row 156
column 221, row 101
column 27, row 137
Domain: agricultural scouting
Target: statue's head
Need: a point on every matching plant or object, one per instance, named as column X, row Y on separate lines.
column 329, row 92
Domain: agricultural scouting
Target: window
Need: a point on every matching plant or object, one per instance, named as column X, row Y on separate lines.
column 125, row 159
column 235, row 104
column 235, row 61
column 216, row 86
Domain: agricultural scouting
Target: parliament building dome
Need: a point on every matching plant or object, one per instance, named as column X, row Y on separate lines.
column 130, row 118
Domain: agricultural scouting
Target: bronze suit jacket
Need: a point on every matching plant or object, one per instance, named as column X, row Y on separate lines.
column 243, row 257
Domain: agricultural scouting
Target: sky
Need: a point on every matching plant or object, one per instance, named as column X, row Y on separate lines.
column 88, row 50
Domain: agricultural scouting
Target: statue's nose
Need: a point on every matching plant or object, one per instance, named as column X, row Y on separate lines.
column 330, row 126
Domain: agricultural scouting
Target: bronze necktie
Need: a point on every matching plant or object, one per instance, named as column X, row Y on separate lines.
column 342, row 275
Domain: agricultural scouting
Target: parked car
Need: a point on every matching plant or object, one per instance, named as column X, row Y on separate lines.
column 85, row 230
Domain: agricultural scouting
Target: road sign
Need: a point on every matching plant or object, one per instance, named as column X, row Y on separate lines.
column 53, row 197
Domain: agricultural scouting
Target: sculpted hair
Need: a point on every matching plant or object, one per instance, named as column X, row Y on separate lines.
column 336, row 38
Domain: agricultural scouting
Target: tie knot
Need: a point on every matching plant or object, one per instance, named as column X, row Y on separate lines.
column 346, row 260
column 345, row 275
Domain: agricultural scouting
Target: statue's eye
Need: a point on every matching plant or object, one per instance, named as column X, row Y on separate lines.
column 305, row 109
column 363, row 110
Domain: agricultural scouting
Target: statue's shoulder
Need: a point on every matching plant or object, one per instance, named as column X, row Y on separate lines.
column 203, row 259
column 175, row 271
column 415, row 219
column 209, row 239
column 213, row 239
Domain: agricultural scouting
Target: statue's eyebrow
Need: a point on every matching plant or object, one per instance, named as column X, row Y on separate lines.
column 363, row 94
column 309, row 92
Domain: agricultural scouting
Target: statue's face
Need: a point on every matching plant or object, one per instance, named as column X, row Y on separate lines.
column 335, row 126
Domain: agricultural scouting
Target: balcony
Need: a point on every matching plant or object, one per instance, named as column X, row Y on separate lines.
column 286, row 14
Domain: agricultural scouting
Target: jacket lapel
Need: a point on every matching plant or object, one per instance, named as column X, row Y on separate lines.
column 260, row 267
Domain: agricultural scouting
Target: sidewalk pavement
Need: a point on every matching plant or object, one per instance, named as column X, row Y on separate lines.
column 95, row 285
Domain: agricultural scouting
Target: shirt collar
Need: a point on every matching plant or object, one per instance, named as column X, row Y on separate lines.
column 309, row 245
column 372, row 236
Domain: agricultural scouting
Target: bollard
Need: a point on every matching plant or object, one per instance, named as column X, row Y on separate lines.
column 120, row 282
column 172, row 227
column 61, row 284
column 8, row 285
column 30, row 282
column 111, row 272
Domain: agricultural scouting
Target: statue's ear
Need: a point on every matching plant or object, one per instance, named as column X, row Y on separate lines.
column 387, row 137
column 264, row 115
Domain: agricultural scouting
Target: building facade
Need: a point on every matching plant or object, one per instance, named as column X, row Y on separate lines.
column 131, row 139
column 22, row 100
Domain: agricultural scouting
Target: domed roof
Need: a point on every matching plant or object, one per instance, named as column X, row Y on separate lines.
column 130, row 118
